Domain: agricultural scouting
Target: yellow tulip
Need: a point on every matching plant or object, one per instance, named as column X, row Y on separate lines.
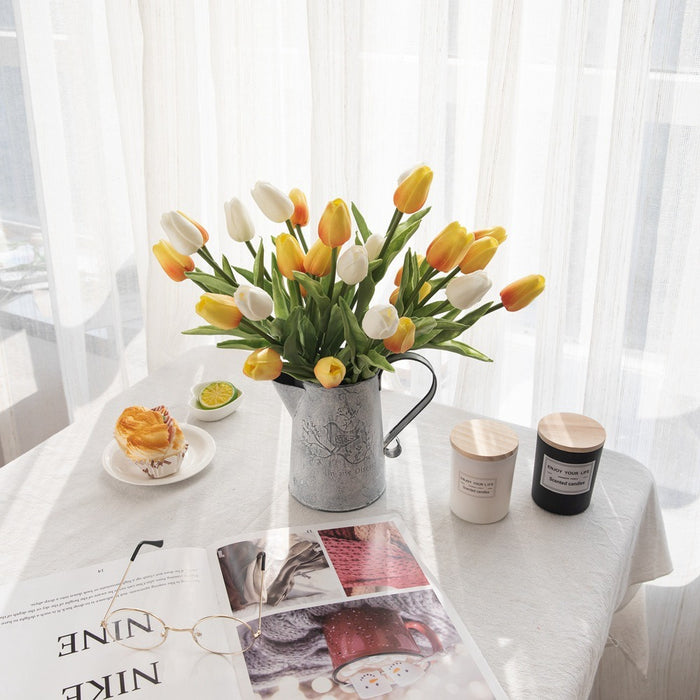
column 449, row 247
column 403, row 339
column 413, row 190
column 335, row 228
column 290, row 256
column 329, row 371
column 300, row 216
column 173, row 263
column 318, row 260
column 263, row 364
column 219, row 310
column 419, row 261
column 497, row 232
column 517, row 295
column 479, row 255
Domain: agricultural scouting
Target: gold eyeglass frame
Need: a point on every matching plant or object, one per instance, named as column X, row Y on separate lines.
column 260, row 560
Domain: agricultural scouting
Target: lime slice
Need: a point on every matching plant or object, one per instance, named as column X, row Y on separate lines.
column 217, row 394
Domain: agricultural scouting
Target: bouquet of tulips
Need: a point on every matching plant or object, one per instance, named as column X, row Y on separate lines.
column 310, row 313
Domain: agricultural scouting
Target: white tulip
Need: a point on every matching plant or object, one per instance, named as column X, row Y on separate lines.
column 254, row 303
column 374, row 245
column 274, row 203
column 466, row 290
column 380, row 321
column 185, row 237
column 353, row 265
column 238, row 222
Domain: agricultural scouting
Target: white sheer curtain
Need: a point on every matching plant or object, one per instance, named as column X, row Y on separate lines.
column 575, row 125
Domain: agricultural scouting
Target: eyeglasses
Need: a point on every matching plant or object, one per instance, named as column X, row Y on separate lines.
column 139, row 629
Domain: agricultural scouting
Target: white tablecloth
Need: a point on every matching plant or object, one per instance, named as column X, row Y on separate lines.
column 537, row 591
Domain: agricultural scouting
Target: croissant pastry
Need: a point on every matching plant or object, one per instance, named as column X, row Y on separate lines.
column 152, row 439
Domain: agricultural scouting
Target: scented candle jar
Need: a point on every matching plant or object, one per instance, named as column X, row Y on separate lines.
column 569, row 447
column 483, row 460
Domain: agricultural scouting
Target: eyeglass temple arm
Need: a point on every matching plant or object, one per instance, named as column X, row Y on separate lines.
column 154, row 543
column 261, row 559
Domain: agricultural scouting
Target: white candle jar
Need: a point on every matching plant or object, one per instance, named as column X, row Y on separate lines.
column 483, row 461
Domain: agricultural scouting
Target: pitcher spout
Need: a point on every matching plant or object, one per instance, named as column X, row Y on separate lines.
column 290, row 390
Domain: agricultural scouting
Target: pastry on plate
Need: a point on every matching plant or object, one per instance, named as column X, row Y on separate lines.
column 152, row 439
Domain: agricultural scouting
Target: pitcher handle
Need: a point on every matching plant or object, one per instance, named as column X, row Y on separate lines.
column 395, row 451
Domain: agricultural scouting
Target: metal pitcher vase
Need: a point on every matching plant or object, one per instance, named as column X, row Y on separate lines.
column 338, row 443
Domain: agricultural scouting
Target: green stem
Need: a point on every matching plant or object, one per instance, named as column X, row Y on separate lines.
column 250, row 326
column 495, row 307
column 430, row 272
column 393, row 225
column 298, row 236
column 437, row 288
column 301, row 239
column 210, row 260
column 331, row 274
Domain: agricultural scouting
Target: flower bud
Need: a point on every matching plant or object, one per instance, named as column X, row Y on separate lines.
column 318, row 260
column 335, row 228
column 300, row 215
column 186, row 235
column 264, row 363
column 353, row 264
column 380, row 321
column 419, row 261
column 449, row 247
column 463, row 292
column 255, row 303
column 517, row 295
column 413, row 190
column 404, row 337
column 497, row 232
column 219, row 310
column 274, row 203
column 238, row 222
column 479, row 255
column 290, row 256
column 173, row 263
column 329, row 371
column 374, row 246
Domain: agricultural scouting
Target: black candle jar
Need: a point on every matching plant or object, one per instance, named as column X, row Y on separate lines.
column 569, row 447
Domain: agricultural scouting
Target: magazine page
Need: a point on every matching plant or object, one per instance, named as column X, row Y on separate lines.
column 53, row 646
column 349, row 611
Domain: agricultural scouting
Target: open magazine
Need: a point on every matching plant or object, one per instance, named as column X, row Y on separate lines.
column 349, row 611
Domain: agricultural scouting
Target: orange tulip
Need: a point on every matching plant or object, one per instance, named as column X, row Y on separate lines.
column 335, row 228
column 403, row 339
column 300, row 216
column 449, row 247
column 413, row 190
column 329, row 371
column 219, row 310
column 290, row 256
column 263, row 364
column 419, row 261
column 517, row 295
column 479, row 255
column 318, row 260
column 173, row 263
column 497, row 232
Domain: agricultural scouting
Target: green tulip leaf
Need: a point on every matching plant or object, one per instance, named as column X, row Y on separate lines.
column 361, row 224
column 212, row 284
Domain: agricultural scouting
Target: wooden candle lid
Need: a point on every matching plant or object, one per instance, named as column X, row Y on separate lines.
column 571, row 432
column 482, row 439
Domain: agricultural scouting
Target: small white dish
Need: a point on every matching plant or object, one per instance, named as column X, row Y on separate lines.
column 211, row 414
column 200, row 451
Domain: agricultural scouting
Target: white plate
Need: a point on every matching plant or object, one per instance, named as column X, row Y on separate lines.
column 199, row 453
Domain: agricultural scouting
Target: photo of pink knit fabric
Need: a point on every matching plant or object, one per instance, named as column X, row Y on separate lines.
column 371, row 558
